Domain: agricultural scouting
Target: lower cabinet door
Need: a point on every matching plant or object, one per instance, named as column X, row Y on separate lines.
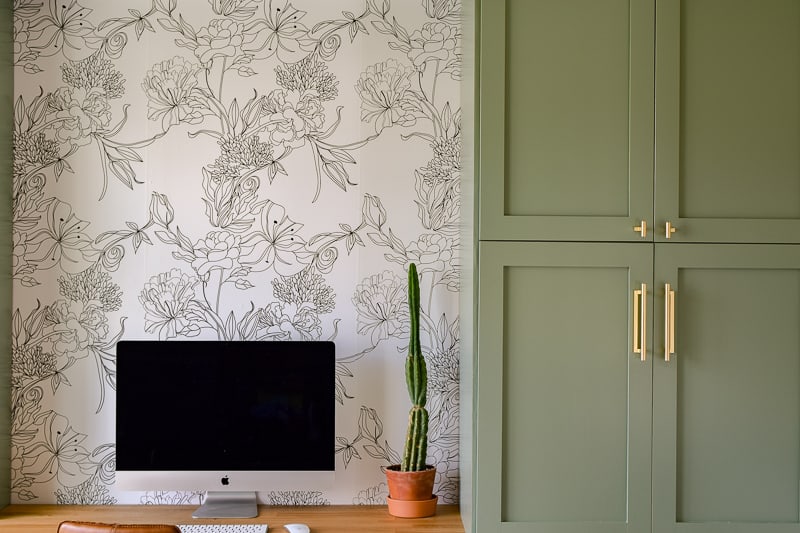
column 563, row 413
column 726, row 407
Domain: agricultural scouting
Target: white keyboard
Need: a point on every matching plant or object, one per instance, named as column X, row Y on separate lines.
column 223, row 528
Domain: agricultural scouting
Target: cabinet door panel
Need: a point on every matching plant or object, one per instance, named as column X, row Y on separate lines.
column 728, row 119
column 566, row 119
column 727, row 407
column 564, row 406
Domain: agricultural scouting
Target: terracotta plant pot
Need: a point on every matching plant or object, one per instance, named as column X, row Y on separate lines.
column 411, row 493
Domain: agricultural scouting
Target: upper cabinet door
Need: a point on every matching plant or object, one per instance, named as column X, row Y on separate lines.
column 728, row 120
column 566, row 119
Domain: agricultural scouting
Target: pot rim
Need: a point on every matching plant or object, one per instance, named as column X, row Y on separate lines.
column 395, row 468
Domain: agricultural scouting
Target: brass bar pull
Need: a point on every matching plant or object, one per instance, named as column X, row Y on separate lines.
column 640, row 321
column 637, row 294
column 670, row 229
column 669, row 322
column 641, row 228
column 644, row 321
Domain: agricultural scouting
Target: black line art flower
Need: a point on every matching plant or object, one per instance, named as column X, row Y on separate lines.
column 57, row 451
column 274, row 322
column 282, row 33
column 219, row 249
column 66, row 29
column 171, row 88
column 290, row 117
column 31, row 150
column 431, row 252
column 279, row 321
column 438, row 186
column 62, row 238
column 297, row 497
column 278, row 244
column 74, row 327
column 308, row 76
column 94, row 72
column 221, row 38
column 436, row 41
column 305, row 287
column 167, row 300
column 372, row 495
column 385, row 90
column 161, row 497
column 91, row 285
column 243, row 153
column 78, row 113
column 230, row 183
column 91, row 492
column 382, row 307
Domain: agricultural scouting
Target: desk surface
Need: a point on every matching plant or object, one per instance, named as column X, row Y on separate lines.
column 324, row 519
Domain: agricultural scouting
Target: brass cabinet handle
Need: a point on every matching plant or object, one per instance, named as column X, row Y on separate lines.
column 640, row 321
column 641, row 228
column 670, row 229
column 669, row 322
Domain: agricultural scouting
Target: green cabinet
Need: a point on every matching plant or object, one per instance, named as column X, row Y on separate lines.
column 598, row 120
column 597, row 115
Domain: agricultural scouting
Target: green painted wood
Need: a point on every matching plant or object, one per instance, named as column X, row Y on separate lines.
column 728, row 120
column 563, row 414
column 6, row 127
column 566, row 112
column 468, row 312
column 726, row 409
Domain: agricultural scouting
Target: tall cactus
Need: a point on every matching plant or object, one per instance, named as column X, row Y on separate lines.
column 416, row 447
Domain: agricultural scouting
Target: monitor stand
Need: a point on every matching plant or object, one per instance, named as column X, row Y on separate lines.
column 228, row 505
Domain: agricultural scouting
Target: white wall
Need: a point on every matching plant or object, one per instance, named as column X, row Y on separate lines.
column 232, row 169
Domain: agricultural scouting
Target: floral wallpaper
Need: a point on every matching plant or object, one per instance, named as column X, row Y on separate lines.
column 237, row 170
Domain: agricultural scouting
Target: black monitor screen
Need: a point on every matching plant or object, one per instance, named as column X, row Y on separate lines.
column 218, row 405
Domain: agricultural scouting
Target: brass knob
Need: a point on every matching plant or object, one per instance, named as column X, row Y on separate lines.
column 670, row 230
column 641, row 228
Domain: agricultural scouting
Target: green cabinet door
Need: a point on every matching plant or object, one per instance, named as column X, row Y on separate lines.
column 563, row 411
column 726, row 408
column 566, row 119
column 728, row 120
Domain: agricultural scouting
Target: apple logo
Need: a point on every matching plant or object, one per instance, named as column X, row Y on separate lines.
column 225, row 481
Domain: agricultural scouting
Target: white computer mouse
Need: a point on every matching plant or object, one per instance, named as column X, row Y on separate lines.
column 297, row 528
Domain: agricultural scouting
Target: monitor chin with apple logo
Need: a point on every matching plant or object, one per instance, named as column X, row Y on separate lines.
column 231, row 418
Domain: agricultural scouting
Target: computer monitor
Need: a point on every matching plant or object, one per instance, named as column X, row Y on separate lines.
column 227, row 417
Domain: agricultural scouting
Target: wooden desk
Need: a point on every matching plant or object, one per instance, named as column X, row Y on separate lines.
column 324, row 519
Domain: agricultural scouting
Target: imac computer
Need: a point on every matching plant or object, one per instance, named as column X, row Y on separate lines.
column 227, row 417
